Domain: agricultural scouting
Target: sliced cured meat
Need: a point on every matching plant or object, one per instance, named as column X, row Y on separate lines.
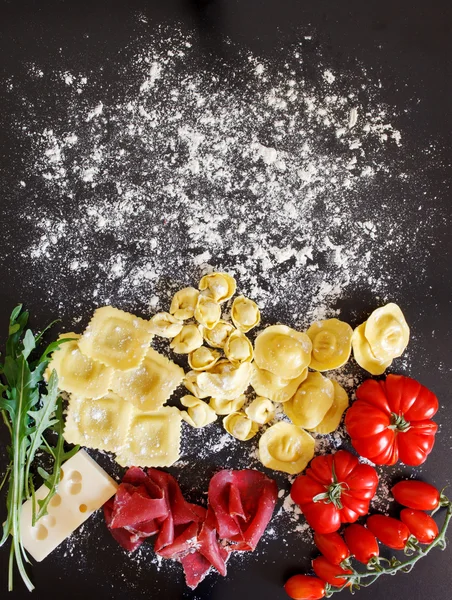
column 133, row 505
column 129, row 541
column 184, row 540
column 242, row 503
column 196, row 568
column 209, row 545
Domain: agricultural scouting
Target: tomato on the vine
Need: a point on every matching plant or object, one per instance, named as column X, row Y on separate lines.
column 335, row 489
column 391, row 420
column 361, row 542
column 391, row 532
column 421, row 525
column 329, row 572
column 332, row 546
column 416, row 494
column 305, row 587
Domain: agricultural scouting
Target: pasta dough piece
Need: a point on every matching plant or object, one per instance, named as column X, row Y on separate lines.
column 184, row 302
column 245, row 314
column 240, row 426
column 224, row 380
column 282, row 351
column 102, row 424
column 218, row 335
column 238, row 348
column 387, row 332
column 78, row 374
column 226, row 407
column 203, row 358
column 286, row 447
column 116, row 338
column 153, row 439
column 207, row 312
column 191, row 383
column 331, row 344
column 276, row 388
column 199, row 413
column 363, row 353
column 311, row 401
column 150, row 385
column 261, row 410
column 331, row 420
column 165, row 325
column 187, row 340
column 218, row 286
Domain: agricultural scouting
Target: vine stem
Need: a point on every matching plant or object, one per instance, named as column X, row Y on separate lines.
column 355, row 580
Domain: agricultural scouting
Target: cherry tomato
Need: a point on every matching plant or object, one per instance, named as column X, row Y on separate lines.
column 305, row 587
column 391, row 532
column 421, row 525
column 416, row 494
column 327, row 571
column 332, row 546
column 361, row 542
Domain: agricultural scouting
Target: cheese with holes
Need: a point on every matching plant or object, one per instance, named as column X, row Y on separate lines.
column 84, row 487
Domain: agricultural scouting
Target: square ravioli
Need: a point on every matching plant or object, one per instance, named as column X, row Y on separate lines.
column 150, row 385
column 102, row 423
column 116, row 338
column 153, row 439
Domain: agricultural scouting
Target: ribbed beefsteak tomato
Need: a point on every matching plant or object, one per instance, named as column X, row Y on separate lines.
column 391, row 419
column 335, row 489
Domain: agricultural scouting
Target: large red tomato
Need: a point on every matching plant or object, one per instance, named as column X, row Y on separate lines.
column 391, row 419
column 336, row 489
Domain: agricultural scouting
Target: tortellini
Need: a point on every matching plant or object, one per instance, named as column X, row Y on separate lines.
column 224, row 380
column 311, row 401
column 203, row 358
column 331, row 420
column 150, row 385
column 331, row 344
column 207, row 312
column 225, row 407
column 240, row 426
column 261, row 410
column 282, row 351
column 274, row 387
column 387, row 332
column 245, row 314
column 184, row 303
column 199, row 414
column 238, row 348
column 218, row 286
column 363, row 353
column 116, row 338
column 77, row 373
column 165, row 325
column 286, row 447
column 218, row 335
column 187, row 340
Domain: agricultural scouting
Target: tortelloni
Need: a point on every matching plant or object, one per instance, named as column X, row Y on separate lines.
column 240, row 426
column 207, row 312
column 223, row 381
column 286, row 447
column 331, row 344
column 311, row 401
column 187, row 340
column 218, row 335
column 225, row 407
column 274, row 387
column 77, row 373
column 387, row 332
column 282, row 351
column 238, row 348
column 199, row 413
column 331, row 420
column 165, row 325
column 184, row 303
column 261, row 410
column 203, row 358
column 363, row 353
column 245, row 314
column 218, row 286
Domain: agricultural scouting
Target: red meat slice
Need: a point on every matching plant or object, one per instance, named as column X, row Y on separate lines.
column 242, row 503
column 133, row 505
column 129, row 541
column 196, row 568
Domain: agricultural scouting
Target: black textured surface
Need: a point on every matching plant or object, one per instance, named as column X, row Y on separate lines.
column 398, row 41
